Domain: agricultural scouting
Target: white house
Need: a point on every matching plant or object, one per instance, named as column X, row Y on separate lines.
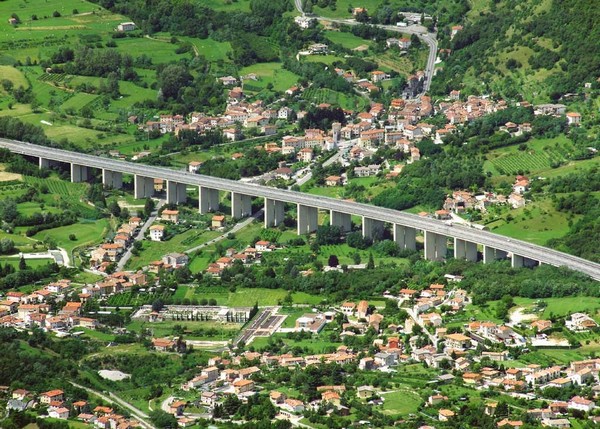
column 157, row 232
column 194, row 166
column 126, row 26
column 581, row 404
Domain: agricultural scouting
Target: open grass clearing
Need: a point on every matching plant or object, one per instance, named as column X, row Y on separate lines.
column 244, row 297
column 537, row 222
column 155, row 250
column 401, row 401
column 347, row 40
column 269, row 73
column 14, row 75
column 86, row 233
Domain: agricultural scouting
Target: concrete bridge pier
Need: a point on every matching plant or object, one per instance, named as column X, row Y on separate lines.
column 465, row 250
column 112, row 179
column 176, row 192
column 405, row 237
column 308, row 219
column 518, row 261
column 490, row 254
column 79, row 173
column 274, row 212
column 372, row 228
column 208, row 200
column 143, row 187
column 45, row 163
column 435, row 246
column 343, row 220
column 241, row 205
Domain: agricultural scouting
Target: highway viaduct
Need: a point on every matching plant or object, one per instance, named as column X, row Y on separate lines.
column 404, row 226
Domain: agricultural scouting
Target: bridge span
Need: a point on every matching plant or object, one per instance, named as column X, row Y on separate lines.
column 405, row 226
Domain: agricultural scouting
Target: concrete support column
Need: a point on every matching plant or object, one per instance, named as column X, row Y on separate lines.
column 79, row 173
column 405, row 237
column 517, row 261
column 241, row 205
column 435, row 246
column 465, row 250
column 143, row 187
column 176, row 192
column 490, row 254
column 501, row 254
column 112, row 179
column 372, row 228
column 343, row 220
column 308, row 219
column 208, row 200
column 44, row 163
column 274, row 212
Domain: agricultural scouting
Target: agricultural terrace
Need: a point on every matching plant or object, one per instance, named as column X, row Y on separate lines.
column 537, row 156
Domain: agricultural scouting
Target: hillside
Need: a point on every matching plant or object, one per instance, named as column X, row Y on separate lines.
column 540, row 49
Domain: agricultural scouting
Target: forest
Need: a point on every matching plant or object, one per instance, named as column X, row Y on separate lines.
column 569, row 26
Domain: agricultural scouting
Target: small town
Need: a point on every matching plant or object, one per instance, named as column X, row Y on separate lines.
column 259, row 214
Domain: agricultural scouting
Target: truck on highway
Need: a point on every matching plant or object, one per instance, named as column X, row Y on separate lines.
column 401, row 24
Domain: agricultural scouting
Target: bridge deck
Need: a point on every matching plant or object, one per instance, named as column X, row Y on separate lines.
column 537, row 253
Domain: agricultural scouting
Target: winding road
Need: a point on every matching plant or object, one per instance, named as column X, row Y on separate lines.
column 421, row 32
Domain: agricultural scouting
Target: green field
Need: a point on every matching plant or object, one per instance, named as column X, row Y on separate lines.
column 537, row 222
column 243, row 297
column 222, row 331
column 347, row 40
column 345, row 101
column 31, row 263
column 563, row 306
column 155, row 250
column 209, row 48
column 86, row 233
column 269, row 73
column 401, row 402
column 541, row 155
column 14, row 75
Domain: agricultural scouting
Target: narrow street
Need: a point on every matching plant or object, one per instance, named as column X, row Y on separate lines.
column 123, row 261
column 415, row 317
column 238, row 226
column 143, row 418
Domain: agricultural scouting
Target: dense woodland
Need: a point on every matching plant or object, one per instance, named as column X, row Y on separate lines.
column 570, row 27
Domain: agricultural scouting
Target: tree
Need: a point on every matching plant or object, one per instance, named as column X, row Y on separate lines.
column 371, row 263
column 148, row 207
column 22, row 263
column 8, row 210
column 7, row 246
column 333, row 261
column 328, row 234
column 172, row 79
column 157, row 305
column 163, row 420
